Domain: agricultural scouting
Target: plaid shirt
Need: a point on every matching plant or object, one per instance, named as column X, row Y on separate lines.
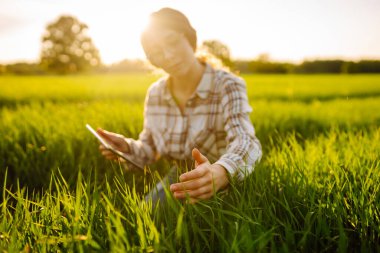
column 215, row 120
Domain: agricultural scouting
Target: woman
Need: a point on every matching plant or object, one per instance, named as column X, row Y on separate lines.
column 196, row 112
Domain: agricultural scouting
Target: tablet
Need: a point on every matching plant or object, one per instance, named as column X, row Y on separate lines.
column 110, row 148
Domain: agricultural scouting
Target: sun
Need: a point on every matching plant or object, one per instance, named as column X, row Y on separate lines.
column 117, row 35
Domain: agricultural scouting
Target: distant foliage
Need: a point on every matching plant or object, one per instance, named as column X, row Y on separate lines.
column 338, row 66
column 363, row 66
column 127, row 66
column 263, row 67
column 333, row 66
column 248, row 66
column 23, row 68
column 308, row 67
column 3, row 69
column 66, row 48
column 219, row 50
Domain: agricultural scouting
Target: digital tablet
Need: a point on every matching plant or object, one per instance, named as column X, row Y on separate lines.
column 110, row 148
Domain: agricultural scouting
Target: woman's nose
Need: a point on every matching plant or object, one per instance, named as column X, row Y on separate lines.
column 168, row 53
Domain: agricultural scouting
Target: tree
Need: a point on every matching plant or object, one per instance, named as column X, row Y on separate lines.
column 66, row 48
column 264, row 57
column 219, row 50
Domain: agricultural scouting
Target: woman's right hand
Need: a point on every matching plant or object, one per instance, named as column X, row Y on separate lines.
column 116, row 140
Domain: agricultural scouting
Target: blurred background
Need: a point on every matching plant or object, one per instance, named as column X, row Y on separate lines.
column 327, row 36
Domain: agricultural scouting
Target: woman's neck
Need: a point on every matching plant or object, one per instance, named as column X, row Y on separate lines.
column 188, row 83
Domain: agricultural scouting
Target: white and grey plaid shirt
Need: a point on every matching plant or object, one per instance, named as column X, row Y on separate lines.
column 215, row 120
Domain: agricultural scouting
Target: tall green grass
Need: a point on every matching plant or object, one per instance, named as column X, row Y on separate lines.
column 315, row 190
column 321, row 194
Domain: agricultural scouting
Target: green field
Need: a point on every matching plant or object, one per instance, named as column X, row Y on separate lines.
column 317, row 188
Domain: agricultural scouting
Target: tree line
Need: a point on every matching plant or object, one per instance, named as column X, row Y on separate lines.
column 67, row 49
column 308, row 67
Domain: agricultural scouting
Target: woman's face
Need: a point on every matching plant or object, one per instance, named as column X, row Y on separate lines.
column 169, row 50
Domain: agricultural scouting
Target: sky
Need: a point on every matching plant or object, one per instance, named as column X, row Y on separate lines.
column 287, row 30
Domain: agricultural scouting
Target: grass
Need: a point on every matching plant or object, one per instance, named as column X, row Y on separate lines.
column 315, row 190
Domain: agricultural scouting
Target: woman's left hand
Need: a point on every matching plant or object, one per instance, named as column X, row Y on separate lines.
column 201, row 182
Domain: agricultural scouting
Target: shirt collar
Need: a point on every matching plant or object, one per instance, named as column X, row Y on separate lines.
column 165, row 90
column 203, row 88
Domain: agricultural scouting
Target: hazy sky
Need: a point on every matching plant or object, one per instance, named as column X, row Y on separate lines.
column 289, row 30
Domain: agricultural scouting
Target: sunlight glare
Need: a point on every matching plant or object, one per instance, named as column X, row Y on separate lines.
column 118, row 36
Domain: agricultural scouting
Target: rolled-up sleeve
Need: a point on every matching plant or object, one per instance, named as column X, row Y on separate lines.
column 243, row 149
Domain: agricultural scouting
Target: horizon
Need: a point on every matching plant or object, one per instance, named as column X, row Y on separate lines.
column 292, row 32
column 235, row 60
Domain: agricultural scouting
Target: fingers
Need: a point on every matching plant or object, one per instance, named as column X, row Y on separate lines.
column 191, row 185
column 101, row 132
column 200, row 183
column 107, row 154
column 198, row 157
column 117, row 141
column 198, row 172
column 105, row 134
column 201, row 187
column 109, row 135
